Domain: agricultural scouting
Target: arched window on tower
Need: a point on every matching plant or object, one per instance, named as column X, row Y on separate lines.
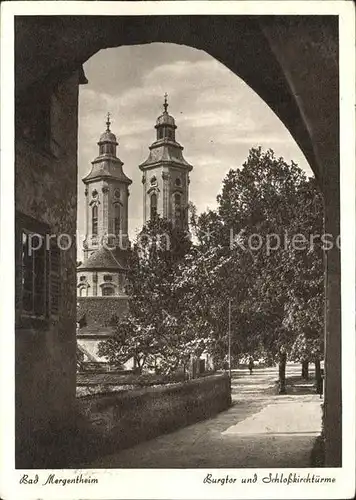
column 117, row 219
column 107, row 291
column 94, row 221
column 178, row 208
column 153, row 210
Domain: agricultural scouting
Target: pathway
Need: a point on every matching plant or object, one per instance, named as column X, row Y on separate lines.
column 261, row 429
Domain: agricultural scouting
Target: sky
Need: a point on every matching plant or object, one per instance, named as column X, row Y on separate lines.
column 219, row 118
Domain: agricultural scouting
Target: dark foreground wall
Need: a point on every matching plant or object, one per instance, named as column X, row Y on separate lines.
column 110, row 422
column 46, row 204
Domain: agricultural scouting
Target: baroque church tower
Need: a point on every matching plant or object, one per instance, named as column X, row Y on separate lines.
column 106, row 223
column 165, row 176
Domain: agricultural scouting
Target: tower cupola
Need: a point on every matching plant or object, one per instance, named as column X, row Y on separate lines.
column 165, row 124
column 107, row 142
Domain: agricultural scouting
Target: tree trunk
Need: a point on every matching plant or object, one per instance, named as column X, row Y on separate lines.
column 318, row 377
column 137, row 367
column 192, row 371
column 282, row 372
column 305, row 370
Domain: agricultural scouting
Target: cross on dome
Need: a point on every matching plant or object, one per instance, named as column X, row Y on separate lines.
column 108, row 123
column 165, row 105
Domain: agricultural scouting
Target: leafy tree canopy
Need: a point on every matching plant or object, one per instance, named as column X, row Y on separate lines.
column 247, row 252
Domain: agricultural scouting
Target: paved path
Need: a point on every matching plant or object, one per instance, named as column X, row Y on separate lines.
column 261, row 429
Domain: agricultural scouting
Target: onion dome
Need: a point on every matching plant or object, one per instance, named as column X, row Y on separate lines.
column 165, row 118
column 108, row 136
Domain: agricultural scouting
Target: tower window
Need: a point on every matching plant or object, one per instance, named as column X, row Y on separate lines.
column 107, row 148
column 107, row 277
column 117, row 219
column 82, row 278
column 177, row 207
column 178, row 182
column 153, row 206
column 107, row 291
column 160, row 133
column 95, row 220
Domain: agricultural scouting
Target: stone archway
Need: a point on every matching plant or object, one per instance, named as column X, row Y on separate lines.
column 290, row 61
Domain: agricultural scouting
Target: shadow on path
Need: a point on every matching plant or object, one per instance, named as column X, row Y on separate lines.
column 260, row 429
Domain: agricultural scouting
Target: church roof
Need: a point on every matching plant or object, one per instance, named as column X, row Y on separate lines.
column 107, row 166
column 105, row 259
column 166, row 151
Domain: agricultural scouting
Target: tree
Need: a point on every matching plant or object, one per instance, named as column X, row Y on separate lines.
column 305, row 313
column 156, row 327
column 132, row 339
column 243, row 252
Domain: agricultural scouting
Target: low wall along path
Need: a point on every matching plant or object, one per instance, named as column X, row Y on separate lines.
column 119, row 420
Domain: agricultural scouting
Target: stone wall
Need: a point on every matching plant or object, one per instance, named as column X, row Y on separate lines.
column 115, row 421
